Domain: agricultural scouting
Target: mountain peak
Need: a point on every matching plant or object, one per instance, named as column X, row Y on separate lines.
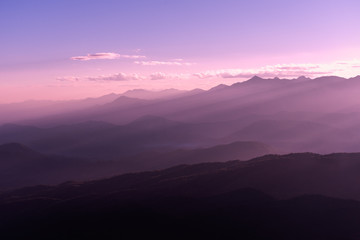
column 256, row 78
column 218, row 87
column 330, row 78
column 303, row 78
column 355, row 78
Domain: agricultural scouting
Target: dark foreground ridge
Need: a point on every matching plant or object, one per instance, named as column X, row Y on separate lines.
column 244, row 214
column 271, row 197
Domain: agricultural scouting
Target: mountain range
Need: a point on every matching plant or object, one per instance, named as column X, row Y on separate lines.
column 260, row 159
column 312, row 115
column 19, row 111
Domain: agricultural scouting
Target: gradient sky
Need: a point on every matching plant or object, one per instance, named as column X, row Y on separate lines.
column 68, row 49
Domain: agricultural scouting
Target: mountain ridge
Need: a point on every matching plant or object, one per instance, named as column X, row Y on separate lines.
column 281, row 176
column 270, row 197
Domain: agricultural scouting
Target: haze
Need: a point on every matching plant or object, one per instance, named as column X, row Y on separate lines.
column 185, row 119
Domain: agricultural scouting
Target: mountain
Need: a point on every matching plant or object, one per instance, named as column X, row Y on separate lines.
column 319, row 115
column 41, row 110
column 281, row 176
column 21, row 166
column 220, row 153
column 256, row 96
column 212, row 200
column 292, row 135
column 104, row 141
column 16, row 112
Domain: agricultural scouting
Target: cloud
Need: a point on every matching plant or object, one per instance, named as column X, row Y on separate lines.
column 296, row 68
column 343, row 68
column 203, row 75
column 162, row 63
column 107, row 55
column 126, row 77
column 116, row 77
column 239, row 75
column 158, row 76
column 132, row 56
column 68, row 79
column 270, row 71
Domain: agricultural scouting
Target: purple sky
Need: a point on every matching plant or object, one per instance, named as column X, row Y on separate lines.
column 77, row 48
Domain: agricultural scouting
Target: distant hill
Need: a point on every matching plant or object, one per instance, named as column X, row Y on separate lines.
column 16, row 112
column 42, row 112
column 219, row 153
column 21, row 166
column 104, row 141
column 300, row 115
column 318, row 115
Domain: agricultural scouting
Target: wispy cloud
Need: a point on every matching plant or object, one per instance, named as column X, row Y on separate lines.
column 343, row 68
column 135, row 76
column 282, row 70
column 116, row 77
column 68, row 79
column 162, row 63
column 125, row 77
column 106, row 55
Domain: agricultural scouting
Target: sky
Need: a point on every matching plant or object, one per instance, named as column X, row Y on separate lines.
column 71, row 49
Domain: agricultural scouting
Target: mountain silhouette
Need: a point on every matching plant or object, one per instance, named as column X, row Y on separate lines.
column 281, row 176
column 204, row 200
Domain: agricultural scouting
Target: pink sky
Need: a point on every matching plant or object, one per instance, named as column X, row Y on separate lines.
column 61, row 51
